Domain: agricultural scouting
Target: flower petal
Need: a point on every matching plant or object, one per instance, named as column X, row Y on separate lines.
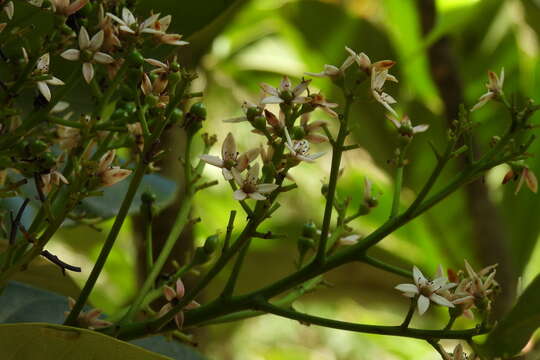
column 407, row 288
column 266, row 188
column 103, row 58
column 256, row 196
column 71, row 54
column 88, row 72
column 84, row 38
column 239, row 194
column 44, row 90
column 423, row 304
column 438, row 299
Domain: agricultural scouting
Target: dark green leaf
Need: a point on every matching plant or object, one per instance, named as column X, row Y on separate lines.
column 514, row 331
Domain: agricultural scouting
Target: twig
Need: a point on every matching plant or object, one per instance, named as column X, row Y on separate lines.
column 15, row 222
column 55, row 260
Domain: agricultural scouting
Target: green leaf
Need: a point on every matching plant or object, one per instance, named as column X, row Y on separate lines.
column 62, row 342
column 20, row 303
column 514, row 331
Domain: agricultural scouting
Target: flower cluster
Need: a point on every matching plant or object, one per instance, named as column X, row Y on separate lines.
column 460, row 291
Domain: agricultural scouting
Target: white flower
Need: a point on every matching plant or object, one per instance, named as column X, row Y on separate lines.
column 365, row 64
column 405, row 127
column 522, row 174
column 378, row 78
column 495, row 89
column 482, row 283
column 110, row 175
column 310, row 127
column 129, row 24
column 319, row 101
column 300, row 149
column 426, row 290
column 66, row 7
column 174, row 295
column 159, row 30
column 284, row 94
column 157, row 88
column 249, row 187
column 458, row 354
column 332, row 71
column 55, row 178
column 89, row 53
column 44, row 78
column 230, row 158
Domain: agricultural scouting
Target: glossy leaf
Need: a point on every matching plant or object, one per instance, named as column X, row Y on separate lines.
column 514, row 331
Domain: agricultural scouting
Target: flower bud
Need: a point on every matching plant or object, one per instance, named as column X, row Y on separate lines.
column 211, row 244
column 136, row 57
column 309, row 230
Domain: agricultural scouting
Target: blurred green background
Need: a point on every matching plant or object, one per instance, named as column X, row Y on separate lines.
column 443, row 50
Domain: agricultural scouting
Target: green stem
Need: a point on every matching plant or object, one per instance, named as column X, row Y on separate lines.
column 179, row 224
column 410, row 313
column 369, row 329
column 386, row 267
column 231, row 283
column 109, row 242
column 398, row 183
column 334, row 173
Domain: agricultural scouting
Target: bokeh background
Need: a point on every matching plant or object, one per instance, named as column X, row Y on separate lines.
column 443, row 50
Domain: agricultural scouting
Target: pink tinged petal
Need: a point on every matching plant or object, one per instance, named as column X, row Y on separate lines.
column 88, row 72
column 530, row 179
column 173, row 39
column 212, row 160
column 180, row 289
column 103, row 58
column 93, row 314
column 463, row 300
column 71, row 54
column 438, row 299
column 164, row 309
column 266, row 188
column 470, row 270
column 54, row 81
column 269, row 89
column 483, row 100
column 236, row 120
column 227, row 175
column 409, row 288
column 97, row 41
column 418, row 277
column 84, row 39
column 169, row 293
column 228, row 148
column 468, row 314
column 156, row 63
column 239, row 194
column 192, row 305
column 75, row 6
column 114, row 175
column 420, row 128
column 458, row 353
column 423, row 304
column 179, row 319
column 44, row 90
column 146, row 85
column 149, row 22
column 330, row 112
column 256, row 196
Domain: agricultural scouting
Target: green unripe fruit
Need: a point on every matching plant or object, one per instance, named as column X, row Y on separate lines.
column 136, row 57
column 309, row 230
column 174, row 77
column 176, row 115
column 199, row 110
column 252, row 112
column 259, row 122
column 48, row 160
column 211, row 244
